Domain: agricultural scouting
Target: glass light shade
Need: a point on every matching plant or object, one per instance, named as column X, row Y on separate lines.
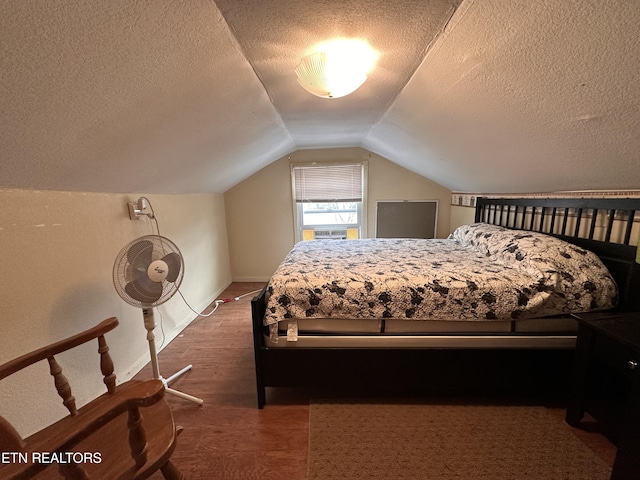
column 328, row 75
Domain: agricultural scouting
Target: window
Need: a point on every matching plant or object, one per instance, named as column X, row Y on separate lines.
column 329, row 200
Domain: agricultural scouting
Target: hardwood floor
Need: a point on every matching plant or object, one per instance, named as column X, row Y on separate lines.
column 228, row 437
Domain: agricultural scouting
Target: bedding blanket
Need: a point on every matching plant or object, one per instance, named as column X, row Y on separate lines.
column 481, row 272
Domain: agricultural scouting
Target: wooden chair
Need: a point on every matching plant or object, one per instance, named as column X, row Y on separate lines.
column 127, row 433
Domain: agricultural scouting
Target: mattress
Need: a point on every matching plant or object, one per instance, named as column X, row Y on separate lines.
column 481, row 273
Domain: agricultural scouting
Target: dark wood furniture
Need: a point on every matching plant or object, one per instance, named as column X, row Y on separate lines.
column 603, row 226
column 127, row 433
column 606, row 383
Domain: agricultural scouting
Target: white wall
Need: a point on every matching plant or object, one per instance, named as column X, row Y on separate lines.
column 58, row 250
column 260, row 212
column 461, row 216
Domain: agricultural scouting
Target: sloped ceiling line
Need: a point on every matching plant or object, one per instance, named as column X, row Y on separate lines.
column 437, row 37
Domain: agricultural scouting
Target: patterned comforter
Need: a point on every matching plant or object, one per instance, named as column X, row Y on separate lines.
column 481, row 272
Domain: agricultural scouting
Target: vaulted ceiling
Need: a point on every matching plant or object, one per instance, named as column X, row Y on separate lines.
column 183, row 96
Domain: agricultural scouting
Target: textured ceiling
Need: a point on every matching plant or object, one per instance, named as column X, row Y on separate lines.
column 196, row 95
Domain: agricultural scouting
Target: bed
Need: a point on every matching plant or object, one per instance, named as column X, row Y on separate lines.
column 486, row 310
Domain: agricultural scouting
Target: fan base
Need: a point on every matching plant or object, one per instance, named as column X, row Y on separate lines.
column 177, row 393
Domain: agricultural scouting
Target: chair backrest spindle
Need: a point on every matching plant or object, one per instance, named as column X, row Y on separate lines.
column 106, row 365
column 62, row 385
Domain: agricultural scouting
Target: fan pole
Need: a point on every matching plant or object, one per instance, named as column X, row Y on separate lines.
column 150, row 325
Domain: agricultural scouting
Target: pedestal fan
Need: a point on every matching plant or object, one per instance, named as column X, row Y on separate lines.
column 148, row 272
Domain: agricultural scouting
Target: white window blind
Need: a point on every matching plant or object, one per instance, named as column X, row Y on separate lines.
column 328, row 183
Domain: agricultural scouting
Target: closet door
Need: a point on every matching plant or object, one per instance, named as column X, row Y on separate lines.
column 406, row 218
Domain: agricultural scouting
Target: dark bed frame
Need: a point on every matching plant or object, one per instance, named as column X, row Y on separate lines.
column 603, row 226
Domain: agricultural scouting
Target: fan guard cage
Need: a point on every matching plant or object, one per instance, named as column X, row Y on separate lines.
column 145, row 250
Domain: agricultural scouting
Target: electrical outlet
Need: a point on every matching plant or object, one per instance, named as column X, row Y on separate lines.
column 134, row 211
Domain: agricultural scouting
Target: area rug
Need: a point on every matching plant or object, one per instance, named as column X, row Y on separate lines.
column 403, row 440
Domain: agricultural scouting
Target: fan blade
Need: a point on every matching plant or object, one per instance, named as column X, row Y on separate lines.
column 138, row 247
column 173, row 262
column 140, row 256
column 144, row 291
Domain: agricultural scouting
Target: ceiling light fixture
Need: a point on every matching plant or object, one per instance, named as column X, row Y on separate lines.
column 337, row 68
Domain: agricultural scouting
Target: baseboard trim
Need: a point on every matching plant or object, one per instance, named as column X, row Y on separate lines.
column 251, row 279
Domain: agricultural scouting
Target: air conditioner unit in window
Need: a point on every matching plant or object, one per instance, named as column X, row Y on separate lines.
column 351, row 233
column 330, row 234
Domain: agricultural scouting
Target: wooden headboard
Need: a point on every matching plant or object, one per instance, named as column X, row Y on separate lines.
column 609, row 227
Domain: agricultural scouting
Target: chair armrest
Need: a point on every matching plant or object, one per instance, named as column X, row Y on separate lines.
column 69, row 431
column 66, row 433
